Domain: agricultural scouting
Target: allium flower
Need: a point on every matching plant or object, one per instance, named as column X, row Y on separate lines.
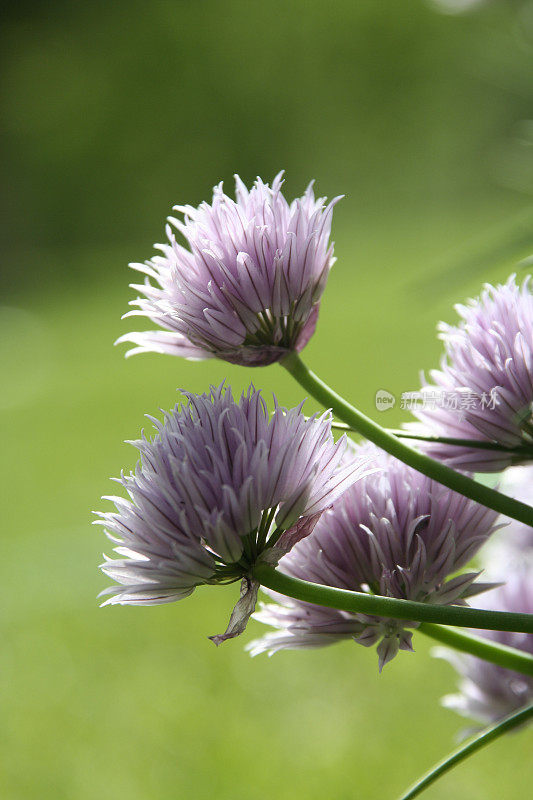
column 248, row 288
column 487, row 692
column 396, row 533
column 221, row 486
column 485, row 381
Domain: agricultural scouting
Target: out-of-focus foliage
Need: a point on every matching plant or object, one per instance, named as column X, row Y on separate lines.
column 112, row 112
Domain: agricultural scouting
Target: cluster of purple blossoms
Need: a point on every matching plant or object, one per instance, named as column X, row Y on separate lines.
column 395, row 533
column 221, row 486
column 224, row 486
column 248, row 287
column 488, row 354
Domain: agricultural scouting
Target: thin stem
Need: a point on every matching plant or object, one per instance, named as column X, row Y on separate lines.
column 502, row 655
column 522, row 451
column 361, row 602
column 392, row 444
column 466, row 750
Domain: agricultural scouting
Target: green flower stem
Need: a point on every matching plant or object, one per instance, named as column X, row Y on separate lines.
column 503, row 656
column 363, row 603
column 466, row 750
column 522, row 451
column 391, row 444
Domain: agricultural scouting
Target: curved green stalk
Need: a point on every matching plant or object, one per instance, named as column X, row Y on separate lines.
column 500, row 654
column 363, row 603
column 466, row 750
column 391, row 444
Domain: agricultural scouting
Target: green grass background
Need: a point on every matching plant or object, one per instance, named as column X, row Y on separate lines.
column 112, row 112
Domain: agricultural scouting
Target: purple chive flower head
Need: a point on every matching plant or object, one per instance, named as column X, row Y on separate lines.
column 484, row 388
column 488, row 693
column 247, row 286
column 394, row 533
column 221, row 486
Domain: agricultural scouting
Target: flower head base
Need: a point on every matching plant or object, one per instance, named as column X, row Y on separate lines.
column 489, row 358
column 222, row 485
column 395, row 533
column 248, row 288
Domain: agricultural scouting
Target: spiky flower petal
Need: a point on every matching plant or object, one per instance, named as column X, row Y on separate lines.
column 221, row 486
column 248, row 287
column 394, row 533
column 488, row 369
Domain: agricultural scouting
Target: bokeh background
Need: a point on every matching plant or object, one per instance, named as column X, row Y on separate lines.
column 111, row 113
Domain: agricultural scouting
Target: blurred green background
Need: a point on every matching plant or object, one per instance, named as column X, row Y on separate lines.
column 113, row 112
